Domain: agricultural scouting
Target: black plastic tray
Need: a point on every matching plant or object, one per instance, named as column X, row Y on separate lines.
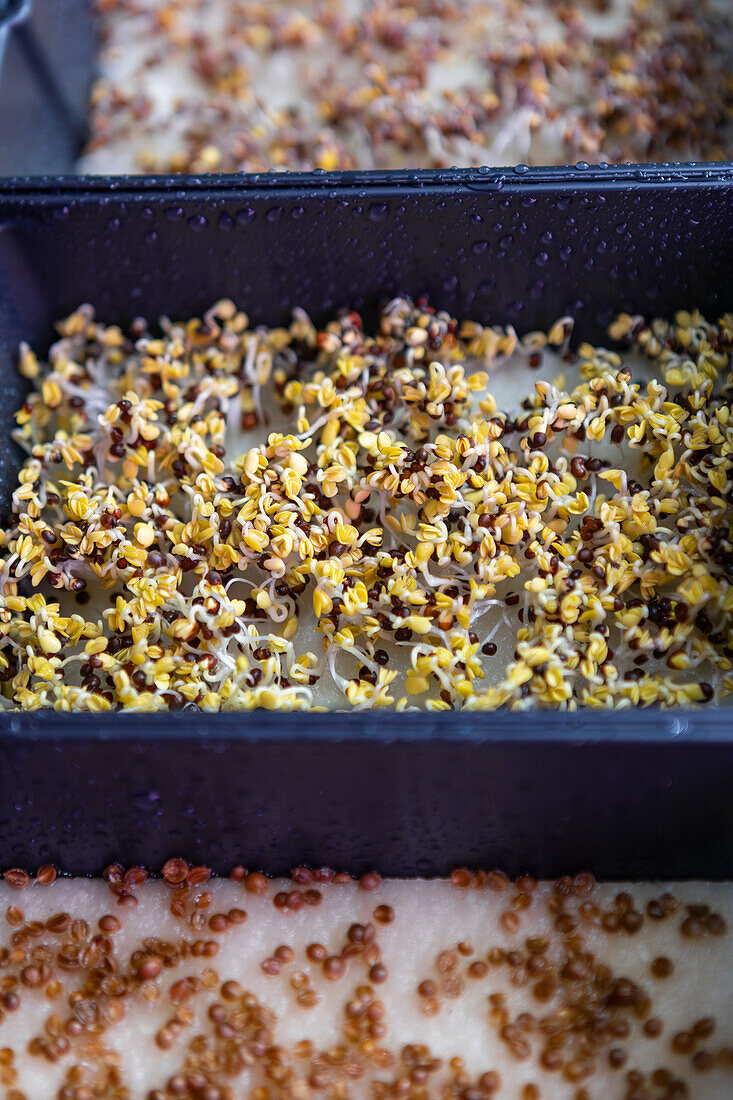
column 636, row 794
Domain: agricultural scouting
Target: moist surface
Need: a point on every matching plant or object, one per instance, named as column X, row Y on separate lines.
column 476, row 988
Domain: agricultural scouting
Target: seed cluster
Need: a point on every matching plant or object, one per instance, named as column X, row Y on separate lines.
column 567, row 1017
column 398, row 510
column 232, row 85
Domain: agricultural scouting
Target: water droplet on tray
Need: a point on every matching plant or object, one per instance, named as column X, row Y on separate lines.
column 378, row 211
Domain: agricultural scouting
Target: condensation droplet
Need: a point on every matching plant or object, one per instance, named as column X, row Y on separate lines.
column 378, row 211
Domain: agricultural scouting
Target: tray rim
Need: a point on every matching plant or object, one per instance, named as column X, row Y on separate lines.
column 579, row 177
column 650, row 726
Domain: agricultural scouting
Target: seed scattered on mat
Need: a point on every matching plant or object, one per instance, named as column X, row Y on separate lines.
column 202, row 988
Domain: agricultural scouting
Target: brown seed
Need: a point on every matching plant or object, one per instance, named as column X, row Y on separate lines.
column 477, row 970
column 255, row 883
column 284, row 954
column 617, row 1057
column 378, row 973
column 238, row 874
column 46, row 875
column 270, row 966
column 384, row 914
column 136, row 876
column 333, row 968
column 446, row 962
column 197, row 876
column 526, row 884
column 453, row 986
column 183, row 989
column 574, row 970
column 308, row 998
column 497, row 880
column 237, row 916
column 623, row 992
column 178, row 906
column 150, row 968
column 16, row 878
column 703, row 1061
column 370, row 881
column 219, row 922
column 461, row 878
column 372, row 954
column 715, row 925
column 510, row 922
column 653, row 1027
column 692, row 928
column 662, row 967
column 58, row 923
column 683, row 1042
column 79, row 931
column 31, row 976
column 324, row 874
column 164, row 1039
column 175, row 872
column 632, row 922
column 551, row 1059
column 427, row 988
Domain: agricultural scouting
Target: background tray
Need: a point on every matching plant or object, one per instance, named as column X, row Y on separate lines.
column 46, row 66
